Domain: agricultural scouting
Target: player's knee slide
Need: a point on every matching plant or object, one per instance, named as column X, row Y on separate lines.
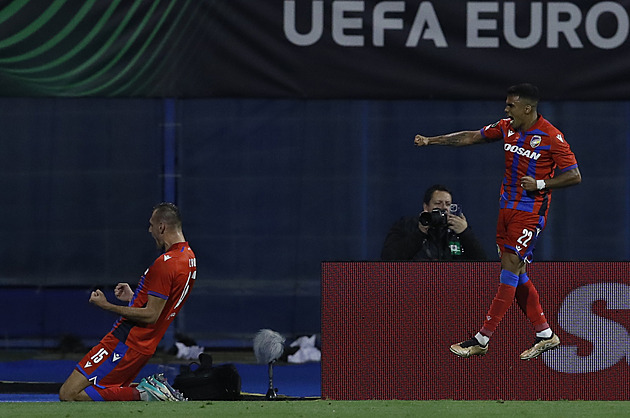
column 509, row 278
column 65, row 395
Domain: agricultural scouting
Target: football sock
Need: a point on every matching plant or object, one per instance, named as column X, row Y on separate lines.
column 501, row 302
column 144, row 396
column 509, row 278
column 522, row 279
column 529, row 302
column 482, row 339
column 545, row 333
column 113, row 393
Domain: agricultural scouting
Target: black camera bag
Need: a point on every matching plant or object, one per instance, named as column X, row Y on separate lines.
column 208, row 383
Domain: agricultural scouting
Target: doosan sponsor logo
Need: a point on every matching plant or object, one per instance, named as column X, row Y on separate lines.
column 521, row 151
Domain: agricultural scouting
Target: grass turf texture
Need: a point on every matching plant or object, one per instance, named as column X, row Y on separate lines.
column 320, row 408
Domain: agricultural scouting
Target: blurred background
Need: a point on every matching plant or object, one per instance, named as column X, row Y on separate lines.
column 284, row 132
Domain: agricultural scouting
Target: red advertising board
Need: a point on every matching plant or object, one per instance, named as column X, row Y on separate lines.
column 387, row 328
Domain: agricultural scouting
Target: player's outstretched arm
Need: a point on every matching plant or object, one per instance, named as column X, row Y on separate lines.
column 455, row 139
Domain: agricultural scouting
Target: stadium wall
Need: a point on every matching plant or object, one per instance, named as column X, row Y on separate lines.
column 283, row 130
column 268, row 189
column 387, row 328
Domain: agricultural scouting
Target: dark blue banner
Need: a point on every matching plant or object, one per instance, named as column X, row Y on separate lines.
column 314, row 48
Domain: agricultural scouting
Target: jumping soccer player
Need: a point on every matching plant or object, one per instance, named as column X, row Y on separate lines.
column 107, row 371
column 534, row 148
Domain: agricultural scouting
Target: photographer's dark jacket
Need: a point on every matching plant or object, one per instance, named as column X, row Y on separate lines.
column 406, row 242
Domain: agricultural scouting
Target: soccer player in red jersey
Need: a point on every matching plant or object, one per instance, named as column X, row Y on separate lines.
column 534, row 149
column 107, row 371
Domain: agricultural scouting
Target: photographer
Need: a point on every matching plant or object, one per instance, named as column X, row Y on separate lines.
column 435, row 234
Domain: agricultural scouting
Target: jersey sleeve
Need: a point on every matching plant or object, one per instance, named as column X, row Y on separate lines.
column 493, row 131
column 561, row 153
column 157, row 280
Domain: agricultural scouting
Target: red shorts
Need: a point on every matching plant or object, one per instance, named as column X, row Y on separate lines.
column 517, row 232
column 112, row 364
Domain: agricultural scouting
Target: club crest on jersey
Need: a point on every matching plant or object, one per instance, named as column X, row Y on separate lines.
column 535, row 141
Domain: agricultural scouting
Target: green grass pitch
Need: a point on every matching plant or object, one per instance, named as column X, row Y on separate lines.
column 319, row 408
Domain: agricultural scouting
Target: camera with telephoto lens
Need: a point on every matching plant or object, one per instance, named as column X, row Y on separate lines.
column 438, row 218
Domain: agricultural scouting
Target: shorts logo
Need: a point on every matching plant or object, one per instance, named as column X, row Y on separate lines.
column 535, row 141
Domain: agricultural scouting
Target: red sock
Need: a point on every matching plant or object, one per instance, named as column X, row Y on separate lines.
column 529, row 302
column 126, row 393
column 500, row 304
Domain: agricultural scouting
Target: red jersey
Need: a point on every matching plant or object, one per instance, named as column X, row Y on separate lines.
column 536, row 153
column 170, row 277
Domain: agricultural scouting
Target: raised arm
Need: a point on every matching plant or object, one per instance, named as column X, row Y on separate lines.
column 123, row 292
column 148, row 314
column 455, row 139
